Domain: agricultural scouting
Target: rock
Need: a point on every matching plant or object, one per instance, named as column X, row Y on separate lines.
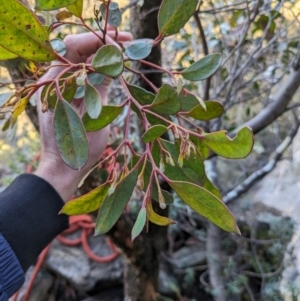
column 84, row 274
column 41, row 287
column 280, row 190
column 189, row 256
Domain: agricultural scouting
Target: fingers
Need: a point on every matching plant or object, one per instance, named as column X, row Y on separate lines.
column 82, row 46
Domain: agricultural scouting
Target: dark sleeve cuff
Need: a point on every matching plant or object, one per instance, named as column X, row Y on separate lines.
column 11, row 273
column 29, row 218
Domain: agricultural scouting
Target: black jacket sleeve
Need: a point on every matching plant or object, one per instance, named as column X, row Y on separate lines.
column 29, row 218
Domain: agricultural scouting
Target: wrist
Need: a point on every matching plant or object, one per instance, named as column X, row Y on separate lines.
column 63, row 179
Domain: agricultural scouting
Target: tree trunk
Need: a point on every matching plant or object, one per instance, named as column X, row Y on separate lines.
column 142, row 256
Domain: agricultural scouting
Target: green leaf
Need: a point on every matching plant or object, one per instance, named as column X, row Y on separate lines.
column 180, row 85
column 108, row 114
column 59, row 46
column 138, row 49
column 87, row 203
column 192, row 169
column 68, row 93
column 208, row 185
column 76, row 8
column 139, row 224
column 114, row 204
column 213, row 110
column 167, row 101
column 167, row 196
column 69, row 90
column 203, row 68
column 95, row 79
column 79, row 92
column 157, row 219
column 22, row 34
column 70, row 136
column 142, row 96
column 52, row 4
column 188, row 102
column 173, row 14
column 202, row 148
column 237, row 148
column 6, row 55
column 114, row 14
column 206, row 204
column 92, row 101
column 108, row 60
column 154, row 132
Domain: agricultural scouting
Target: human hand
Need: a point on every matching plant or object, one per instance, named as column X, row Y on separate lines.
column 80, row 49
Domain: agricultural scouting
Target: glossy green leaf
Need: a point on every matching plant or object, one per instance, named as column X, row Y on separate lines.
column 114, row 204
column 154, row 132
column 139, row 224
column 138, row 49
column 92, row 101
column 108, row 60
column 237, row 148
column 87, row 203
column 52, row 4
column 206, row 204
column 22, row 34
column 173, row 14
column 167, row 101
column 6, row 55
column 70, row 136
column 114, row 14
column 59, row 46
column 76, row 8
column 108, row 114
column 157, row 219
column 213, row 110
column 203, row 68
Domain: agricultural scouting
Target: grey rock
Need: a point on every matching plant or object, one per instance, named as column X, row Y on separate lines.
column 84, row 274
column 189, row 256
column 280, row 190
column 41, row 287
